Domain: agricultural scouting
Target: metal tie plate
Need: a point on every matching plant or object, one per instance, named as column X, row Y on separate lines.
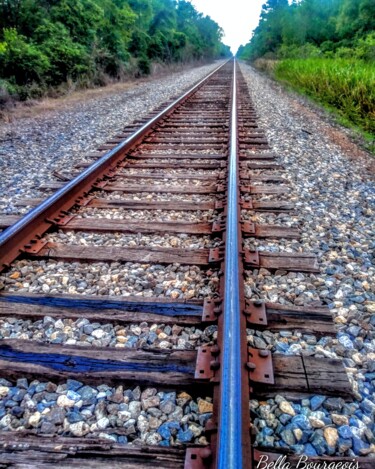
column 260, row 366
column 255, row 312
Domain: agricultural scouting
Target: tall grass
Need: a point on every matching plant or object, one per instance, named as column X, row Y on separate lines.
column 344, row 84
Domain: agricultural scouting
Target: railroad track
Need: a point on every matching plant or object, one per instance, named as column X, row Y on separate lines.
column 172, row 195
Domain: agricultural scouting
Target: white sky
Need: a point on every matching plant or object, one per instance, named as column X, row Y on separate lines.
column 237, row 18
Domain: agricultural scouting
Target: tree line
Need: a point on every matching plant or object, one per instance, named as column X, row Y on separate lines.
column 306, row 28
column 44, row 43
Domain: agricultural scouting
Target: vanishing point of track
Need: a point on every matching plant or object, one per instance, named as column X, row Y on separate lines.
column 206, row 153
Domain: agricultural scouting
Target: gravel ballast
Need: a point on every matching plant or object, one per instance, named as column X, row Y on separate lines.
column 335, row 206
column 32, row 148
column 172, row 281
column 122, row 415
column 87, row 333
column 334, row 196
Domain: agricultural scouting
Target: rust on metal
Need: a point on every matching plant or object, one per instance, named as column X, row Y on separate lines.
column 260, row 366
column 198, row 458
column 209, row 313
column 216, row 255
column 248, row 228
column 35, row 246
column 255, row 312
column 251, row 257
column 207, row 364
column 35, row 223
column 247, row 205
column 218, row 227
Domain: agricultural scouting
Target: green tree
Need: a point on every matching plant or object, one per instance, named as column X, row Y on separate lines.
column 21, row 61
column 47, row 42
column 67, row 59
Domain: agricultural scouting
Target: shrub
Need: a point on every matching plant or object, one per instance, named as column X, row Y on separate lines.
column 365, row 48
column 347, row 85
column 21, row 61
column 67, row 58
column 144, row 66
column 298, row 51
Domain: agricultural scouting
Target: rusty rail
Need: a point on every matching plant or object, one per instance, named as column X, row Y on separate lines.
column 233, row 445
column 231, row 369
column 36, row 222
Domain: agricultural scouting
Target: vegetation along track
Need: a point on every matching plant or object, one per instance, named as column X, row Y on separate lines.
column 144, row 253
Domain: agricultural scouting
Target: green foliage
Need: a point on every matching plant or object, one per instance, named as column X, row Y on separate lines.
column 67, row 59
column 44, row 43
column 322, row 48
column 347, row 85
column 144, row 65
column 329, row 26
column 365, row 48
column 299, row 52
column 21, row 61
column 80, row 17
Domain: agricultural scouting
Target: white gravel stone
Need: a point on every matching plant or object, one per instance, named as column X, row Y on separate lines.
column 334, row 195
column 58, row 139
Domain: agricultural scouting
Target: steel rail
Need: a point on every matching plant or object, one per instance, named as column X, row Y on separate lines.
column 230, row 438
column 37, row 221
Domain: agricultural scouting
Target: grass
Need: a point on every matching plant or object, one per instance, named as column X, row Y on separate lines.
column 346, row 86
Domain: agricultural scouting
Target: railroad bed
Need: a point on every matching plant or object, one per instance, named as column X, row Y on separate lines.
column 132, row 292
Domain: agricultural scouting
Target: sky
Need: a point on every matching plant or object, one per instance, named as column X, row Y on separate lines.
column 237, row 18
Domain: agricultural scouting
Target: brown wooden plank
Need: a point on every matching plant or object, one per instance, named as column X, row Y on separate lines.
column 119, row 254
column 272, row 205
column 289, row 375
column 132, row 165
column 297, row 262
column 328, row 375
column 32, row 202
column 82, row 164
column 177, row 156
column 252, row 141
column 274, row 231
column 198, row 177
column 208, row 119
column 217, row 112
column 8, row 220
column 306, row 375
column 149, row 205
column 182, row 146
column 193, row 126
column 256, row 146
column 23, row 450
column 126, row 226
column 192, row 165
column 95, row 154
column 53, row 185
column 191, row 133
column 133, row 204
column 257, row 156
column 186, row 140
column 271, row 231
column 262, row 178
column 116, row 140
column 307, row 319
column 158, row 188
column 250, row 134
column 261, row 165
column 102, row 308
column 265, row 189
column 289, row 261
column 90, row 364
